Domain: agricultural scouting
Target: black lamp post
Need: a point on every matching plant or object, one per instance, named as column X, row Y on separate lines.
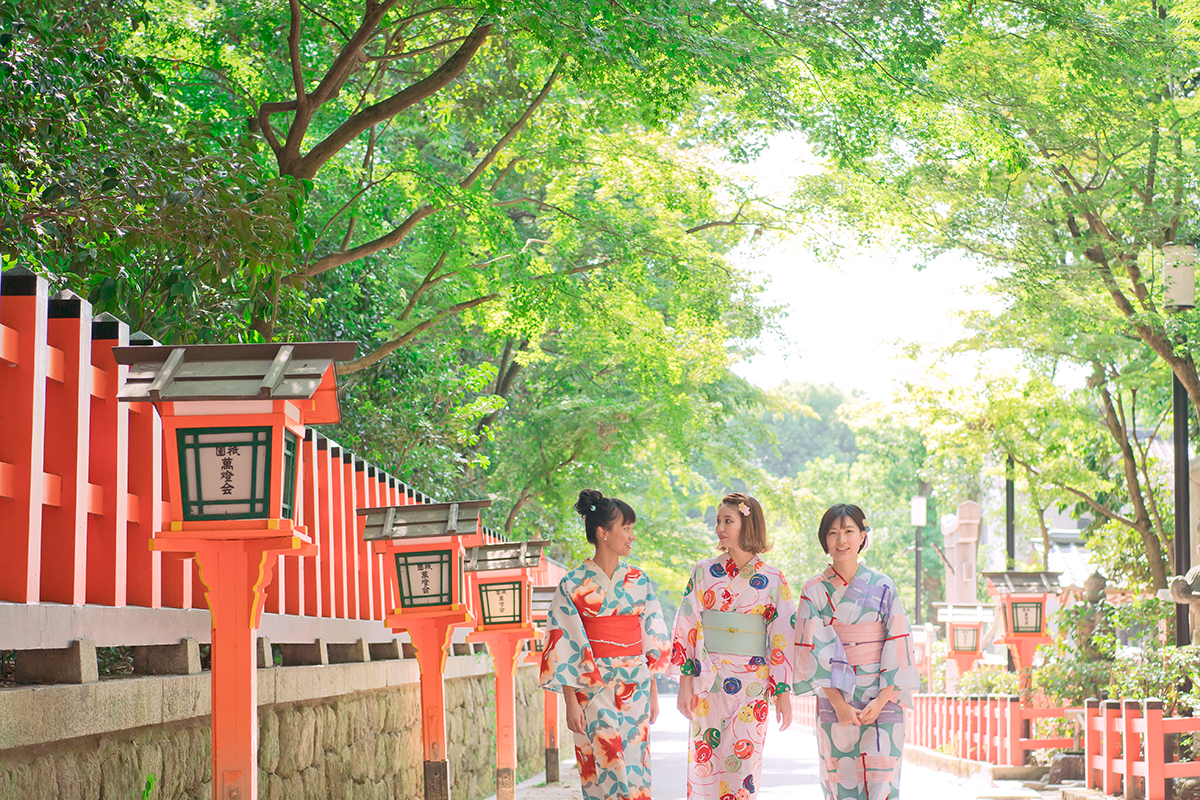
column 1179, row 294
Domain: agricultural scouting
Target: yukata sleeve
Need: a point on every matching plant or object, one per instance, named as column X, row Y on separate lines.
column 896, row 663
column 567, row 659
column 780, row 616
column 820, row 658
column 687, row 627
column 656, row 643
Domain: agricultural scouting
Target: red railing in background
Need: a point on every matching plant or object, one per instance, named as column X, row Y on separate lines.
column 82, row 487
column 991, row 728
column 1126, row 740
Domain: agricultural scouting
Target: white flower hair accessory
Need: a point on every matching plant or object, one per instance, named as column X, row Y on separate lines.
column 745, row 509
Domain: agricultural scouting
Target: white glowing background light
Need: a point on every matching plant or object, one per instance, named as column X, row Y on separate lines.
column 852, row 322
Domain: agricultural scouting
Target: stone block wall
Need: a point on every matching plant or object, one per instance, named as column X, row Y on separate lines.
column 351, row 745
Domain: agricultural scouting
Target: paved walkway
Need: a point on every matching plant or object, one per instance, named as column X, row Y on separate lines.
column 789, row 769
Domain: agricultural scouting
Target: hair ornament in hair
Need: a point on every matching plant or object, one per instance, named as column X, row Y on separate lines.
column 593, row 508
column 745, row 509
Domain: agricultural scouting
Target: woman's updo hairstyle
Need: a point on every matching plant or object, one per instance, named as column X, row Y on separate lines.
column 599, row 511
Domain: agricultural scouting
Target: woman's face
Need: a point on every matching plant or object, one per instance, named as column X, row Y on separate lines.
column 729, row 528
column 844, row 539
column 619, row 538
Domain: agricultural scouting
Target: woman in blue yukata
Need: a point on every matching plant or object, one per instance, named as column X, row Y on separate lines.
column 854, row 650
column 605, row 639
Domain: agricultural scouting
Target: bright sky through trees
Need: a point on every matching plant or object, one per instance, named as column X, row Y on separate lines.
column 851, row 317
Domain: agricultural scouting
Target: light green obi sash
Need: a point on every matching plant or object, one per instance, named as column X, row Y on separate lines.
column 734, row 633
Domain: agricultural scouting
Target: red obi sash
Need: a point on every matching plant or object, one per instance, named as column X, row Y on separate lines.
column 614, row 636
column 863, row 641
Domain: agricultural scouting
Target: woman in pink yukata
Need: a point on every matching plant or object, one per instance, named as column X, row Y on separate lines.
column 854, row 650
column 733, row 646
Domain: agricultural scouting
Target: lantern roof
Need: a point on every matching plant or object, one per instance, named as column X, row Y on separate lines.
column 422, row 520
column 543, row 598
column 230, row 372
column 505, row 555
column 1022, row 582
column 966, row 613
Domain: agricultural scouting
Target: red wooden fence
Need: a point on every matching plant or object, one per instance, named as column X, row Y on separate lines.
column 1126, row 743
column 82, row 489
column 991, row 728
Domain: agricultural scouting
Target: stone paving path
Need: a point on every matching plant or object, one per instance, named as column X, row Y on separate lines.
column 789, row 770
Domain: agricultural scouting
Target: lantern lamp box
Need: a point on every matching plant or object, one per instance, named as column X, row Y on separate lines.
column 233, row 417
column 1023, row 599
column 423, row 548
column 964, row 625
column 498, row 582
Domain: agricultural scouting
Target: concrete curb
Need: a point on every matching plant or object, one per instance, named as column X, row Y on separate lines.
column 966, row 768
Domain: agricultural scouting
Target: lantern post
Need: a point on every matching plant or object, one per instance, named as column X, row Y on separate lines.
column 499, row 581
column 542, row 597
column 1023, row 599
column 233, row 417
column 964, row 632
column 423, row 553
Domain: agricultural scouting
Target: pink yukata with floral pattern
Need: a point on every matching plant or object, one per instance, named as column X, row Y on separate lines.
column 733, row 692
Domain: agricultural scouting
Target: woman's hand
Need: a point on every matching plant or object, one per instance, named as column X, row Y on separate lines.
column 846, row 713
column 783, row 710
column 871, row 713
column 874, row 708
column 653, row 700
column 686, row 701
column 575, row 719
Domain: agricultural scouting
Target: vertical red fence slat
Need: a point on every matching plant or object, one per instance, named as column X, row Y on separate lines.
column 108, row 469
column 365, row 494
column 324, row 463
column 337, row 475
column 350, row 534
column 68, row 423
column 377, row 480
column 22, row 432
column 145, row 570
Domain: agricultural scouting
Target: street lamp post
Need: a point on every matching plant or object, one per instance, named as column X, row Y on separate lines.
column 1179, row 294
column 917, row 515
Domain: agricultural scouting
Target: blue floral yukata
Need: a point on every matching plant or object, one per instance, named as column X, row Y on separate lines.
column 614, row 692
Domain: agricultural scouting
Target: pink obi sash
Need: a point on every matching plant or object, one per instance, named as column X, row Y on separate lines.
column 863, row 641
column 615, row 635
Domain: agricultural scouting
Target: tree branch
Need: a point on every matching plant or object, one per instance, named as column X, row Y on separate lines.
column 294, row 53
column 513, row 130
column 311, row 163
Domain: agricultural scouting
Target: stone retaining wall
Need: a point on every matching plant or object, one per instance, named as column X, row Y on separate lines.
column 351, row 732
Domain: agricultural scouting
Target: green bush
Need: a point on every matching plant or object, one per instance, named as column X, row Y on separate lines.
column 988, row 679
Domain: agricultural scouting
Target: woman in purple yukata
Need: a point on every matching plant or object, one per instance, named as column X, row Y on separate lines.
column 606, row 638
column 733, row 647
column 854, row 650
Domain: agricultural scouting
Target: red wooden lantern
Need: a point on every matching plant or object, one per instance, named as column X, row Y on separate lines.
column 964, row 631
column 540, row 599
column 498, row 577
column 423, row 548
column 1023, row 600
column 233, row 417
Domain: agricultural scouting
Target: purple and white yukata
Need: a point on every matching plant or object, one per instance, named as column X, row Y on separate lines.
column 853, row 636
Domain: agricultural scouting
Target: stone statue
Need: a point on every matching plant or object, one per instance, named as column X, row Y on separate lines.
column 1186, row 589
column 1093, row 595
